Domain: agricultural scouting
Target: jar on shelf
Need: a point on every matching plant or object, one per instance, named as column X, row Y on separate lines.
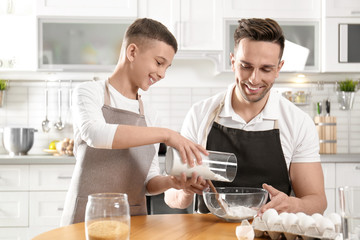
column 300, row 97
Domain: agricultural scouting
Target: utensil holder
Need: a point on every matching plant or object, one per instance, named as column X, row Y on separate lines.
column 2, row 97
column 326, row 127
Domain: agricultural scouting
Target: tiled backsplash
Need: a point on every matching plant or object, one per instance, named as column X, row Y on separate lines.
column 25, row 107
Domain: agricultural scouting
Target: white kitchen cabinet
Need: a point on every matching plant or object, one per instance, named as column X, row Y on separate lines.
column 46, row 208
column 18, row 42
column 343, row 8
column 197, row 25
column 90, row 8
column 348, row 174
column 50, row 177
column 291, row 9
column 329, row 180
column 14, row 177
column 14, row 209
column 14, row 234
column 32, row 198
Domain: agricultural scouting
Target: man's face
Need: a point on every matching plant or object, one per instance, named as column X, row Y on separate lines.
column 256, row 66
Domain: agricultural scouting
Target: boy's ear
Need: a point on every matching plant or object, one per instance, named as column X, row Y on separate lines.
column 131, row 51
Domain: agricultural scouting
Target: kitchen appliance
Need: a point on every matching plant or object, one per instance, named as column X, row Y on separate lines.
column 18, row 141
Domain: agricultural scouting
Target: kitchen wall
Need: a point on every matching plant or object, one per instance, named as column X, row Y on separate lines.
column 187, row 82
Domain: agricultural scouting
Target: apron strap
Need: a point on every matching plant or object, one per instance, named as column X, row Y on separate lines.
column 107, row 98
column 213, row 116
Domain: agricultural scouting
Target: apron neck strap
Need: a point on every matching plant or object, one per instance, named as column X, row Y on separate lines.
column 214, row 116
column 107, row 98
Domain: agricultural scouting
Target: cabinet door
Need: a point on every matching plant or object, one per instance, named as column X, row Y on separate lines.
column 50, row 177
column 105, row 8
column 18, row 43
column 14, row 209
column 195, row 24
column 343, row 8
column 14, row 177
column 329, row 174
column 272, row 9
column 201, row 25
column 347, row 174
column 46, row 208
column 14, row 234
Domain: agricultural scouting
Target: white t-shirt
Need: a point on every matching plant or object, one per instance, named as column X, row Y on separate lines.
column 298, row 135
column 89, row 122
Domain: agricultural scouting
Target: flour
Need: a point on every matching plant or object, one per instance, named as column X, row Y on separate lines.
column 239, row 212
column 206, row 173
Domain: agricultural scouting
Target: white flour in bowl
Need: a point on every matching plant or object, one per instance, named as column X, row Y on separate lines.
column 239, row 212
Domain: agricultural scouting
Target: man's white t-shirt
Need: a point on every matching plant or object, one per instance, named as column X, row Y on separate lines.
column 298, row 135
column 89, row 123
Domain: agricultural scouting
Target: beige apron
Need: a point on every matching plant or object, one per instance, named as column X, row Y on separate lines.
column 110, row 170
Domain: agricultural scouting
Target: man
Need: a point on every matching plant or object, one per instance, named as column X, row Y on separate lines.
column 276, row 143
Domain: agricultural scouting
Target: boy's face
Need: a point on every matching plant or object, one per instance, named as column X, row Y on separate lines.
column 256, row 66
column 150, row 63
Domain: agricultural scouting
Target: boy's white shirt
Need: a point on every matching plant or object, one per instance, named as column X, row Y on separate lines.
column 89, row 122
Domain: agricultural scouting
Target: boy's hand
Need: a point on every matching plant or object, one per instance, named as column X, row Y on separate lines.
column 189, row 151
column 195, row 184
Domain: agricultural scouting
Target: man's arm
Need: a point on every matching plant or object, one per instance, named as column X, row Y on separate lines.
column 308, row 185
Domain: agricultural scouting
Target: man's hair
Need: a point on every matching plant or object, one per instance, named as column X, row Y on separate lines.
column 144, row 29
column 258, row 29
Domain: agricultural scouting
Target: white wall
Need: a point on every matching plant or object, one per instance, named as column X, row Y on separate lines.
column 184, row 85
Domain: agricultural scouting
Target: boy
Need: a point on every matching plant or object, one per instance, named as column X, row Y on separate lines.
column 115, row 132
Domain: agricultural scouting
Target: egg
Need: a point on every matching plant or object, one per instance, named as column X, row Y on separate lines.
column 317, row 216
column 283, row 214
column 272, row 221
column 335, row 218
column 289, row 220
column 269, row 213
column 305, row 222
column 325, row 224
column 300, row 214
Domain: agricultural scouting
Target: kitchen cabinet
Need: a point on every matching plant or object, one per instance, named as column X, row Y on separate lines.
column 337, row 175
column 197, row 25
column 32, row 198
column 272, row 9
column 90, row 8
column 343, row 8
column 18, row 42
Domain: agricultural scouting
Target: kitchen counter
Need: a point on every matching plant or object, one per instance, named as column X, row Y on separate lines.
column 49, row 159
column 36, row 159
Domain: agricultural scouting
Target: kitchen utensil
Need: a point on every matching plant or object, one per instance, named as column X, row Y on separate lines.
column 46, row 123
column 59, row 124
column 219, row 166
column 107, row 216
column 350, row 212
column 68, row 118
column 319, row 108
column 223, row 205
column 242, row 202
column 18, row 141
column 327, row 107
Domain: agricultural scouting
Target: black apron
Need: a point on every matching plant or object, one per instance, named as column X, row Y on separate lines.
column 259, row 155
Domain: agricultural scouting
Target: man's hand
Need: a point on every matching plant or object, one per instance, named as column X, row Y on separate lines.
column 280, row 201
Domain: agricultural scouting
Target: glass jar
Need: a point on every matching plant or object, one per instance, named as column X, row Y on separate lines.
column 107, row 217
column 300, row 97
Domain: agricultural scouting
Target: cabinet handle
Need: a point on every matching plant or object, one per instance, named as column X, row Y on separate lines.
column 357, row 168
column 64, row 177
column 355, row 12
column 60, row 209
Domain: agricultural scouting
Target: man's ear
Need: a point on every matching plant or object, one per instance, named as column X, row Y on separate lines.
column 131, row 51
column 232, row 60
column 281, row 64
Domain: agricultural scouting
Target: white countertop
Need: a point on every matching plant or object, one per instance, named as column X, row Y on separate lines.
column 49, row 159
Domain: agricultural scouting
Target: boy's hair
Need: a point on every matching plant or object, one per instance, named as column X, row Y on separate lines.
column 258, row 29
column 144, row 28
